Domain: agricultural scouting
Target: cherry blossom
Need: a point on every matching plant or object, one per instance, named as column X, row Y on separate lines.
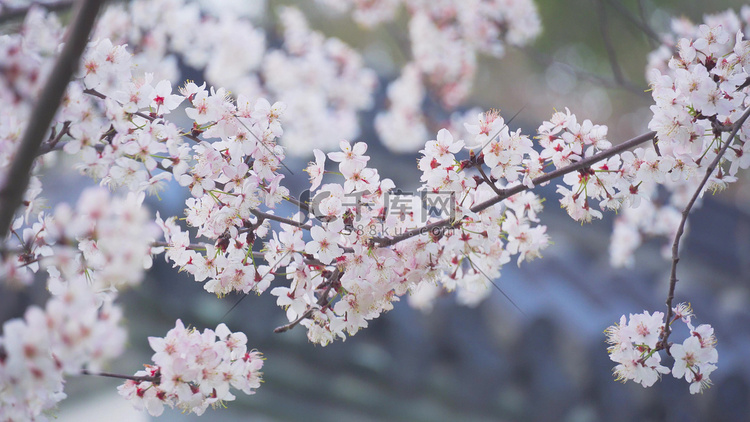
column 316, row 169
column 360, row 244
column 635, row 343
column 194, row 370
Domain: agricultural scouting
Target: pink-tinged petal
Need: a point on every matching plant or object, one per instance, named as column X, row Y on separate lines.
column 359, row 148
column 337, row 156
column 444, row 137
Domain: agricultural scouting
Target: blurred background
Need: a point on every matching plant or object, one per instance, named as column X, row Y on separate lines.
column 546, row 359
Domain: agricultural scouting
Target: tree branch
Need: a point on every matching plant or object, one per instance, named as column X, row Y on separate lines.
column 274, row 217
column 154, row 380
column 681, row 228
column 17, row 178
column 323, row 301
column 508, row 192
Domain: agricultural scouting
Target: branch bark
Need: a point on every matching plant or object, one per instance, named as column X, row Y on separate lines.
column 506, row 193
column 17, row 178
column 681, row 228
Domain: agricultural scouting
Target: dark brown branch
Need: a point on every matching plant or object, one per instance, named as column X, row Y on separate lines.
column 287, row 327
column 302, row 206
column 143, row 378
column 149, row 117
column 663, row 344
column 268, row 216
column 508, row 192
column 54, row 141
column 489, row 181
column 323, row 301
column 17, row 178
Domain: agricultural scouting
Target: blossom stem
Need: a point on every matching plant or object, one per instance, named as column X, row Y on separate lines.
column 681, row 228
column 508, row 192
column 323, row 301
column 488, row 180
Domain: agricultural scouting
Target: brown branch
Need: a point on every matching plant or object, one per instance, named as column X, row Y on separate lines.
column 268, row 216
column 287, row 327
column 143, row 378
column 489, row 181
column 63, row 131
column 17, row 178
column 303, row 206
column 323, row 301
column 663, row 344
column 508, row 192
column 149, row 117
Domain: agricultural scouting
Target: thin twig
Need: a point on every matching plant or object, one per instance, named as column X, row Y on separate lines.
column 476, row 267
column 142, row 378
column 508, row 192
column 17, row 179
column 264, row 144
column 489, row 181
column 274, row 217
column 323, row 301
column 63, row 131
column 302, row 206
column 681, row 228
column 151, row 118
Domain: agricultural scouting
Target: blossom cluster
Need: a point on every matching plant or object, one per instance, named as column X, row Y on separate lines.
column 698, row 78
column 702, row 92
column 360, row 244
column 322, row 80
column 194, row 370
column 347, row 276
column 76, row 330
column 106, row 239
column 89, row 252
column 636, row 341
column 445, row 38
column 446, row 35
column 401, row 127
